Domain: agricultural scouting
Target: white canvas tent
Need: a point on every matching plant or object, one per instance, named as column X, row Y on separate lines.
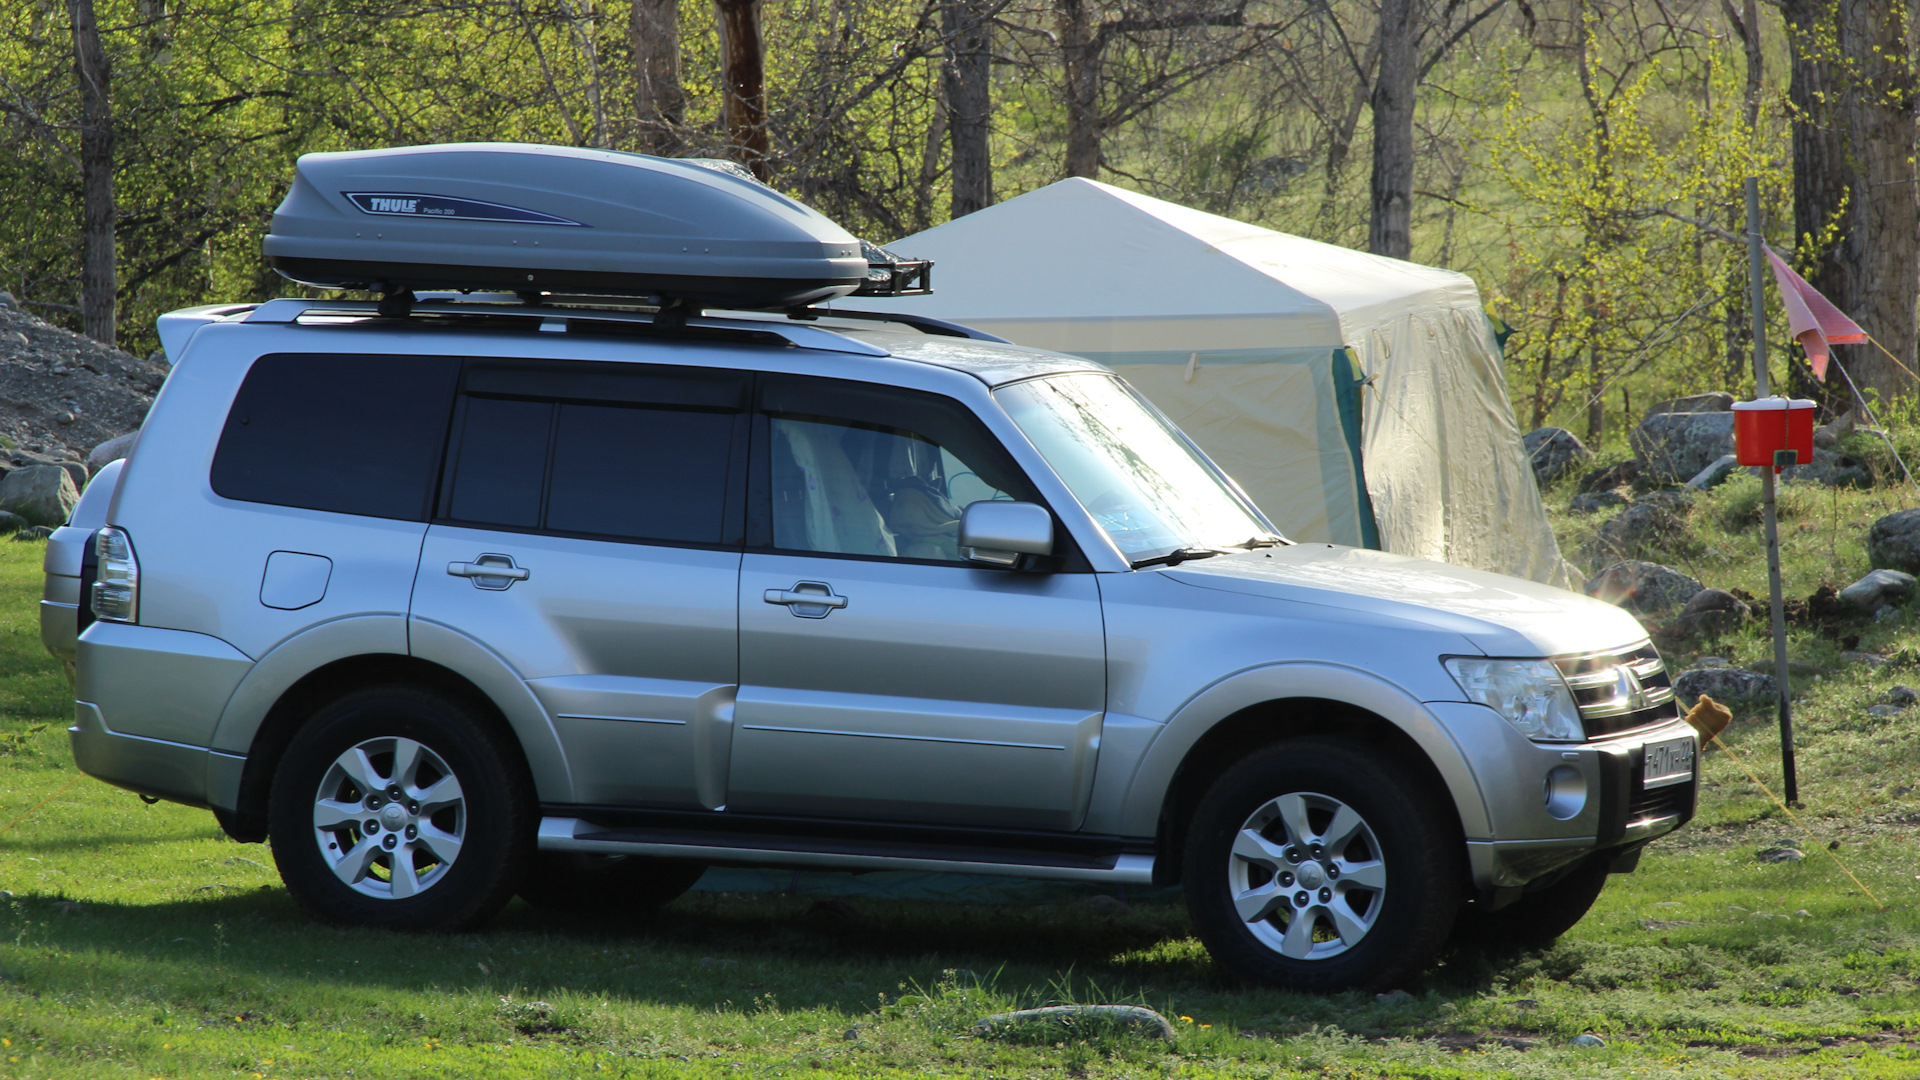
column 1357, row 399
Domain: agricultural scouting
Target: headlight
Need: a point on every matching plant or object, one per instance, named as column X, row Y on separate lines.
column 1529, row 693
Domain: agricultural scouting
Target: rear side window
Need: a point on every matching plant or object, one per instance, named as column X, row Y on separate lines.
column 631, row 452
column 351, row 434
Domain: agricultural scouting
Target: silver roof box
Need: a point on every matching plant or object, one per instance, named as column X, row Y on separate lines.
column 533, row 219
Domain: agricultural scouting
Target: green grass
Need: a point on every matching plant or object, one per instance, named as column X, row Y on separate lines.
column 138, row 942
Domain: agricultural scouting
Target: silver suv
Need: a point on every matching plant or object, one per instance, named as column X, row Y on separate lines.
column 479, row 598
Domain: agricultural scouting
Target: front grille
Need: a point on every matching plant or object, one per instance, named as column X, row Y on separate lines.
column 1610, row 704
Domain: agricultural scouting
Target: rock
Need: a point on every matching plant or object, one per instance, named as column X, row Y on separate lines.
column 1831, row 469
column 1883, row 711
column 1643, row 587
column 1589, row 1042
column 6, row 299
column 1135, row 1018
column 1593, row 502
column 33, row 532
column 110, row 451
column 1780, row 855
column 1878, row 589
column 1612, row 476
column 1829, row 434
column 1641, row 529
column 1711, row 476
column 11, row 523
column 42, row 494
column 1674, row 447
column 1859, row 656
column 1893, row 542
column 1711, row 401
column 1393, row 997
column 1673, row 502
column 1710, row 662
column 852, row 1035
column 66, row 415
column 1902, row 695
column 23, row 458
column 1723, row 684
column 1803, row 913
column 1553, row 452
column 1711, row 611
column 1885, row 613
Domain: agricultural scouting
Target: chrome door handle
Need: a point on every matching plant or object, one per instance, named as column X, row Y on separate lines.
column 493, row 572
column 807, row 599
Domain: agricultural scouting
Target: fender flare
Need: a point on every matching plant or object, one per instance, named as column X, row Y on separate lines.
column 295, row 658
column 1153, row 777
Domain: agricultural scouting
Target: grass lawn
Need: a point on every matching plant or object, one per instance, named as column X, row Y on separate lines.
column 135, row 941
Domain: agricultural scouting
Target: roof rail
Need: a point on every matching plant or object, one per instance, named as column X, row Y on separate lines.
column 923, row 323
column 288, row 310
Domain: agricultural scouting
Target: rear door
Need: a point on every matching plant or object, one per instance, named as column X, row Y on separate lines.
column 588, row 531
column 883, row 677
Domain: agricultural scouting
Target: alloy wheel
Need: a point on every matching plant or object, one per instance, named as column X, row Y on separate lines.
column 390, row 817
column 1306, row 874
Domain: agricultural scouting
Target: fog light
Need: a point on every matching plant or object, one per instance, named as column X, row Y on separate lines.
column 1565, row 792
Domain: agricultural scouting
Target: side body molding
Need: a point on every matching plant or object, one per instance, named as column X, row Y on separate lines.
column 441, row 644
column 1276, row 682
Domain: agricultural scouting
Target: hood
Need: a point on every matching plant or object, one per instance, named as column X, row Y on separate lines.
column 1500, row 615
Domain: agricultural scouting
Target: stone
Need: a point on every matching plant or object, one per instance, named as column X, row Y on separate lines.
column 1721, row 467
column 110, row 451
column 1902, row 695
column 11, row 523
column 1712, row 662
column 1893, row 542
column 1780, row 855
column 1711, row 611
column 1723, row 684
column 1136, row 1018
column 1554, row 452
column 1885, row 613
column 1883, row 711
column 1674, row 447
column 1877, row 589
column 6, row 299
column 1831, row 469
column 33, row 532
column 1589, row 1042
column 1861, row 656
column 23, row 458
column 1711, row 401
column 1619, row 474
column 1673, row 502
column 1828, row 435
column 1641, row 529
column 66, row 416
column 1593, row 502
column 42, row 494
column 1643, row 587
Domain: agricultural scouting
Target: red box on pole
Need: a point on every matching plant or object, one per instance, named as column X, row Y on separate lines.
column 1771, row 424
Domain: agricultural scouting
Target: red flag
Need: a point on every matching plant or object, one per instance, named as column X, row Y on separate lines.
column 1811, row 318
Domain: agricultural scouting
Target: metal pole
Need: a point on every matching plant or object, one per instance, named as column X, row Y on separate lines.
column 1756, row 269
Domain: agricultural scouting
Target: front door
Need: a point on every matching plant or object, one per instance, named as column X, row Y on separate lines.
column 589, row 533
column 883, row 677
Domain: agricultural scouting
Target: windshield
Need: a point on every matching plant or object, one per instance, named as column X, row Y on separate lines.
column 1150, row 491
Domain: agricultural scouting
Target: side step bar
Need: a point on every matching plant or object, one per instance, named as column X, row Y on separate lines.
column 750, row 849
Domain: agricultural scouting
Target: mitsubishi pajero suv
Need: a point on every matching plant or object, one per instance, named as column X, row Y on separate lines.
column 466, row 596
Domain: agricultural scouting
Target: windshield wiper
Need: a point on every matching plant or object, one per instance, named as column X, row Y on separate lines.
column 1176, row 557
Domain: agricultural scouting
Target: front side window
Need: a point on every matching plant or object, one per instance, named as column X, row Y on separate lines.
column 857, row 470
column 1145, row 486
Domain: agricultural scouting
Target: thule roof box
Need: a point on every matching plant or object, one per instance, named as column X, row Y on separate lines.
column 550, row 219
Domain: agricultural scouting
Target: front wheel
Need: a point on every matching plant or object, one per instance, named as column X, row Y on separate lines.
column 1315, row 866
column 397, row 807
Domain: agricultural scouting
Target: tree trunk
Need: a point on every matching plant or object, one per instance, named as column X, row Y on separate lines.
column 969, row 102
column 659, row 103
column 1882, row 247
column 1390, row 226
column 1821, row 180
column 98, row 282
column 1080, row 58
column 743, row 79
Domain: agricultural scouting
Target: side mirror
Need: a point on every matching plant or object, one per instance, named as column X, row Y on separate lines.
column 998, row 533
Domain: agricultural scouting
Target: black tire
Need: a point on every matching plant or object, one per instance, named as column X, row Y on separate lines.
column 466, row 845
column 586, row 884
column 1404, row 844
column 1538, row 918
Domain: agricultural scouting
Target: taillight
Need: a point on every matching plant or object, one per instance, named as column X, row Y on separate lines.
column 116, row 586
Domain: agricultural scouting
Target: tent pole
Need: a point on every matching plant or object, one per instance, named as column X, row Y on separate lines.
column 1756, row 269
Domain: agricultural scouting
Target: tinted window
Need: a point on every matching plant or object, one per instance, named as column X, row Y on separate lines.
column 654, row 474
column 352, row 434
column 502, row 462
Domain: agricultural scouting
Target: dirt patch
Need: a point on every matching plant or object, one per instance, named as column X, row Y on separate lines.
column 61, row 394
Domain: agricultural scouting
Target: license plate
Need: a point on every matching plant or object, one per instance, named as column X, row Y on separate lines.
column 1669, row 762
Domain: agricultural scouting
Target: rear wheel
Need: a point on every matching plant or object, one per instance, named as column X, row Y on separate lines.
column 581, row 883
column 1314, row 866
column 397, row 807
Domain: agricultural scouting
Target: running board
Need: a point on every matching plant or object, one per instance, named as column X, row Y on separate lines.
column 573, row 834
